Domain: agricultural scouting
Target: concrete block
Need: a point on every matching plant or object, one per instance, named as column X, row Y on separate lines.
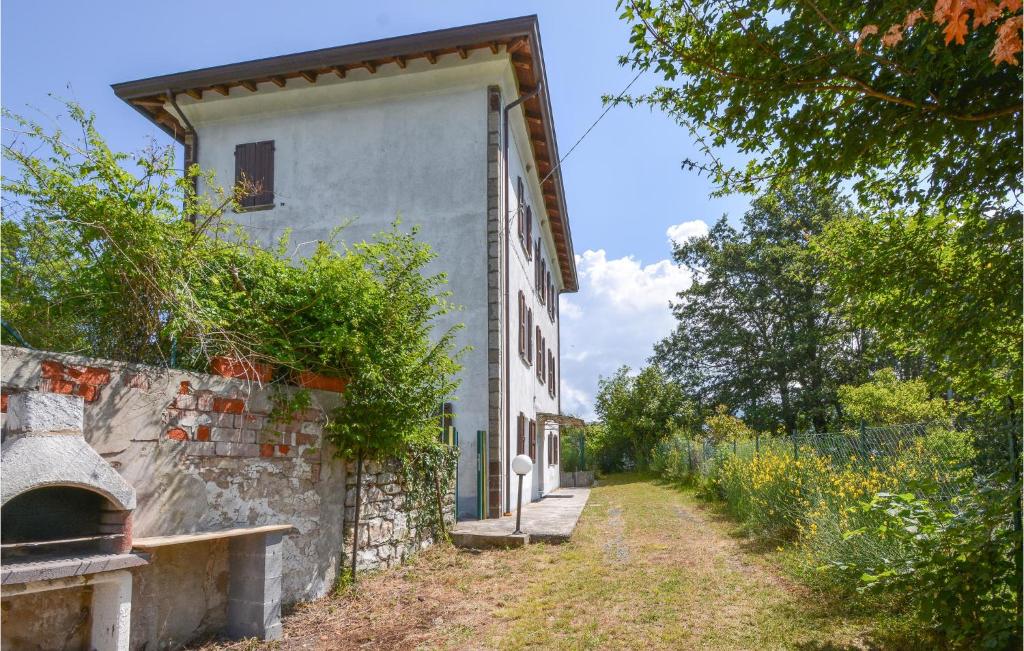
column 254, row 591
column 34, row 412
column 227, row 449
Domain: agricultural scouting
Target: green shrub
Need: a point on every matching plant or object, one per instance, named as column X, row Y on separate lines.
column 955, row 564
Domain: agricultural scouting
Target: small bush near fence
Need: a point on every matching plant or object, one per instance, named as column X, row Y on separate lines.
column 925, row 514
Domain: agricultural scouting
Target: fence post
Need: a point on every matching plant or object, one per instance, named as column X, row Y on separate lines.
column 796, row 446
column 757, row 443
column 689, row 456
column 734, row 446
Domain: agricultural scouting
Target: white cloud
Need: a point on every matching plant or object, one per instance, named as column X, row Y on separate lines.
column 621, row 310
column 679, row 233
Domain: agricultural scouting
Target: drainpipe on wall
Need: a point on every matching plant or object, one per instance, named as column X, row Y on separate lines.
column 508, row 353
column 191, row 145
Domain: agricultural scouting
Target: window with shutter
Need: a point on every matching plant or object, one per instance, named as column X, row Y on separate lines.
column 529, row 336
column 522, row 324
column 541, row 287
column 520, row 217
column 540, row 356
column 558, row 448
column 521, row 433
column 533, row 441
column 254, row 175
column 529, row 232
column 552, row 380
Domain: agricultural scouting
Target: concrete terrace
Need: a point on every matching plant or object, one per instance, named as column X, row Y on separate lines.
column 551, row 519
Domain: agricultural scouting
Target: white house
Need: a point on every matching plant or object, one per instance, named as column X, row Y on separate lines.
column 451, row 130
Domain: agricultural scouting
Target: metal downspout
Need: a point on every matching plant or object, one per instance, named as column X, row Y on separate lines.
column 191, row 145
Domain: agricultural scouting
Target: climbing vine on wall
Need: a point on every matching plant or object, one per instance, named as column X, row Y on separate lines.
column 428, row 476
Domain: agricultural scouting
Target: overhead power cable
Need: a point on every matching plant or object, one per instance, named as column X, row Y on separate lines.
column 591, row 128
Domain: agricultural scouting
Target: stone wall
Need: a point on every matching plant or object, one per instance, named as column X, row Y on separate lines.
column 206, row 453
column 387, row 534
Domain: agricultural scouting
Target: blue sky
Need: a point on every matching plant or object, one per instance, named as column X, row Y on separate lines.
column 624, row 185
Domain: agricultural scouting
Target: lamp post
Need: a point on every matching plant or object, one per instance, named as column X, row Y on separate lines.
column 521, row 465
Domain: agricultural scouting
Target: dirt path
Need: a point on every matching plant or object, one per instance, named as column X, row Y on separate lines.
column 649, row 567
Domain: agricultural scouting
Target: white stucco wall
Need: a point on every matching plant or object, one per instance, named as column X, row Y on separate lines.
column 363, row 152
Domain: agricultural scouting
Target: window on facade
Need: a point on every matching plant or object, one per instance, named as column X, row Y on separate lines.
column 529, row 336
column 557, row 448
column 551, row 297
column 254, row 174
column 540, row 354
column 552, row 383
column 522, row 324
column 541, row 287
column 521, row 433
column 520, row 217
column 529, row 232
column 533, row 440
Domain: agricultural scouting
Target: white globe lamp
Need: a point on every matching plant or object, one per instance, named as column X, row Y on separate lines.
column 521, row 465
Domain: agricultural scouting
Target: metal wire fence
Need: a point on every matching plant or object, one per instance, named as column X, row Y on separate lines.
column 940, row 459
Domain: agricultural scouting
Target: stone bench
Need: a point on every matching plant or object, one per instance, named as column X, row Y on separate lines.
column 254, row 567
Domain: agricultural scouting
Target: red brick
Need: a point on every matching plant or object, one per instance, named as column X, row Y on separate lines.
column 267, row 450
column 283, row 449
column 203, row 433
column 229, row 405
column 305, row 439
column 241, row 369
column 88, row 392
column 310, row 380
column 177, row 434
column 185, row 387
column 3, row 403
column 95, row 375
column 57, row 386
column 52, row 369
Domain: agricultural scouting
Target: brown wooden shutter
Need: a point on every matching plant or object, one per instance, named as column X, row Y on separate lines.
column 529, row 230
column 522, row 324
column 529, row 336
column 521, row 433
column 533, row 441
column 520, row 217
column 254, row 161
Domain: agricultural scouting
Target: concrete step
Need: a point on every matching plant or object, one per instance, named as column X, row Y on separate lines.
column 473, row 540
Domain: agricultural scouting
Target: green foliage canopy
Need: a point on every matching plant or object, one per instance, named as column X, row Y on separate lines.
column 754, row 331
column 785, row 83
column 638, row 412
column 887, row 400
column 943, row 284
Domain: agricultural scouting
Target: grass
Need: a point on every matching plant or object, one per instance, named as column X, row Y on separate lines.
column 650, row 566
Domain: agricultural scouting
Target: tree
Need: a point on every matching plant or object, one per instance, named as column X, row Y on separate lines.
column 887, row 400
column 638, row 412
column 723, row 427
column 945, row 285
column 754, row 332
column 789, row 85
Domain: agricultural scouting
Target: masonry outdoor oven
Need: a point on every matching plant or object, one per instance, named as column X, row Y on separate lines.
column 66, row 513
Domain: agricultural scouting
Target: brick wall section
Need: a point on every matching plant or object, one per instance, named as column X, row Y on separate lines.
column 224, row 425
column 85, row 381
